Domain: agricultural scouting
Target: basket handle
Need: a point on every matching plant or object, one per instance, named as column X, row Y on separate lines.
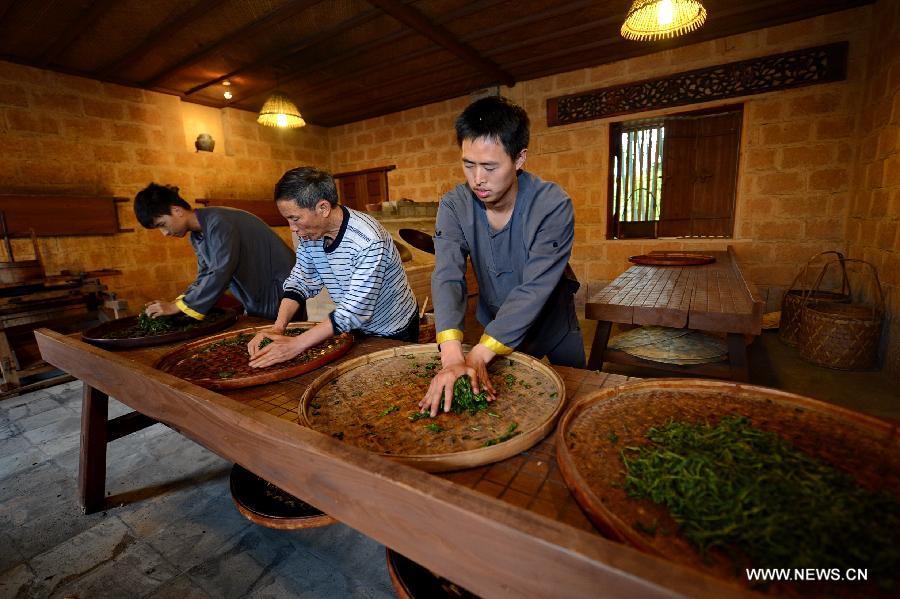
column 845, row 282
column 843, row 262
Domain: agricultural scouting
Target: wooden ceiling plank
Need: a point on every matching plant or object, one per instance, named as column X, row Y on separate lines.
column 6, row 7
column 329, row 83
column 337, row 57
column 283, row 54
column 158, row 36
column 84, row 22
column 250, row 30
column 375, row 105
column 411, row 17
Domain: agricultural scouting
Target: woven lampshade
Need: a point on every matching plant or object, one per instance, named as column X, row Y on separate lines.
column 660, row 19
column 279, row 111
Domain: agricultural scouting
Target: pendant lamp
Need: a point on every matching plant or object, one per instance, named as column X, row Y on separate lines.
column 650, row 20
column 279, row 111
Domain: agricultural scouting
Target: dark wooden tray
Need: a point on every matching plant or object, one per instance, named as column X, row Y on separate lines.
column 672, row 259
column 96, row 335
column 203, row 365
column 370, row 401
column 592, row 433
column 263, row 503
column 413, row 581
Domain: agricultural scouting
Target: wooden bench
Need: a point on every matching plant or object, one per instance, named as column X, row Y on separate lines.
column 506, row 529
column 713, row 297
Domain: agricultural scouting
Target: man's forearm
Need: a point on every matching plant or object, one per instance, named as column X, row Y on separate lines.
column 286, row 311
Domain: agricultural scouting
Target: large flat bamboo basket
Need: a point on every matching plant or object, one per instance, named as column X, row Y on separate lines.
column 369, row 402
column 100, row 335
column 204, row 364
column 592, row 433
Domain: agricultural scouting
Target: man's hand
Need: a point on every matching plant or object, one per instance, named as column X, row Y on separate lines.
column 281, row 349
column 442, row 387
column 160, row 308
column 478, row 359
column 271, row 333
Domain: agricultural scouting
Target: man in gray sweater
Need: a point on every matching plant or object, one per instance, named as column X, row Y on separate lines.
column 235, row 250
column 518, row 232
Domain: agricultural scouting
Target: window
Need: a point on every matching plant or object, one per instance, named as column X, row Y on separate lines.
column 674, row 176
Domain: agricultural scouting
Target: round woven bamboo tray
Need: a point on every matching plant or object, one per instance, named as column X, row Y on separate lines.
column 203, row 364
column 369, row 402
column 593, row 431
column 263, row 503
column 840, row 336
column 672, row 259
column 412, row 581
column 99, row 335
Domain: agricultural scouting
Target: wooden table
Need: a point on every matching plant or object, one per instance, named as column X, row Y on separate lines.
column 510, row 529
column 712, row 297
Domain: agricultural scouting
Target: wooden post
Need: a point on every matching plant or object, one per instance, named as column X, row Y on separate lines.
column 92, row 464
column 737, row 357
column 598, row 347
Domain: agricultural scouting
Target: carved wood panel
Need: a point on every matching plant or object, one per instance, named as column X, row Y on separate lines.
column 810, row 66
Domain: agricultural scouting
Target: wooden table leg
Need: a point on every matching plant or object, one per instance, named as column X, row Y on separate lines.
column 598, row 347
column 737, row 357
column 92, row 465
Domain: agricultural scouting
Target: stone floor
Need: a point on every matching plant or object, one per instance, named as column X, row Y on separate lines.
column 172, row 531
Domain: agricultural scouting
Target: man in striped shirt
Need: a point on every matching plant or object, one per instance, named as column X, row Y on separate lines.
column 348, row 253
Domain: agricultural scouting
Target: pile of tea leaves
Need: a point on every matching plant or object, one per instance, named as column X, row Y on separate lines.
column 148, row 326
column 755, row 496
column 465, row 400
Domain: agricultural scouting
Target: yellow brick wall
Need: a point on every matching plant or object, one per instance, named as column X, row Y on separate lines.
column 798, row 148
column 70, row 135
column 872, row 224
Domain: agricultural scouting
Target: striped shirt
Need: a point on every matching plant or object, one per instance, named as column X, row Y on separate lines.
column 363, row 274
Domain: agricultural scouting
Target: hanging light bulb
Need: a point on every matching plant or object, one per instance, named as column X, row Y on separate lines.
column 660, row 19
column 279, row 111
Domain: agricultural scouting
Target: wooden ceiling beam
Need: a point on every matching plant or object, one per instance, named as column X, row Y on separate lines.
column 284, row 54
column 85, row 21
column 411, row 17
column 162, row 34
column 250, row 30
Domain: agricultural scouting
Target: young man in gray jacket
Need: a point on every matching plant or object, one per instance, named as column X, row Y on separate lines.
column 518, row 232
column 235, row 250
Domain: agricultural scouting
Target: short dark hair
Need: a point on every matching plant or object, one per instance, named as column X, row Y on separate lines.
column 306, row 186
column 156, row 200
column 496, row 118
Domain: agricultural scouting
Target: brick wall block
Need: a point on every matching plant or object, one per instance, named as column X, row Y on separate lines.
column 831, row 179
column 779, row 134
column 781, row 183
column 23, row 120
column 12, row 94
column 105, row 109
column 83, row 128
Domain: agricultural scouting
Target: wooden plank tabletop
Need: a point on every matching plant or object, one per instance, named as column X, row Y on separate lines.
column 495, row 529
column 710, row 297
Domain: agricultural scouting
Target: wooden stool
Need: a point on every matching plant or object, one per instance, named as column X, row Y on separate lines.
column 263, row 503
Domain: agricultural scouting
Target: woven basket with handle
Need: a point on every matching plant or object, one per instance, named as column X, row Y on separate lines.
column 843, row 336
column 794, row 298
